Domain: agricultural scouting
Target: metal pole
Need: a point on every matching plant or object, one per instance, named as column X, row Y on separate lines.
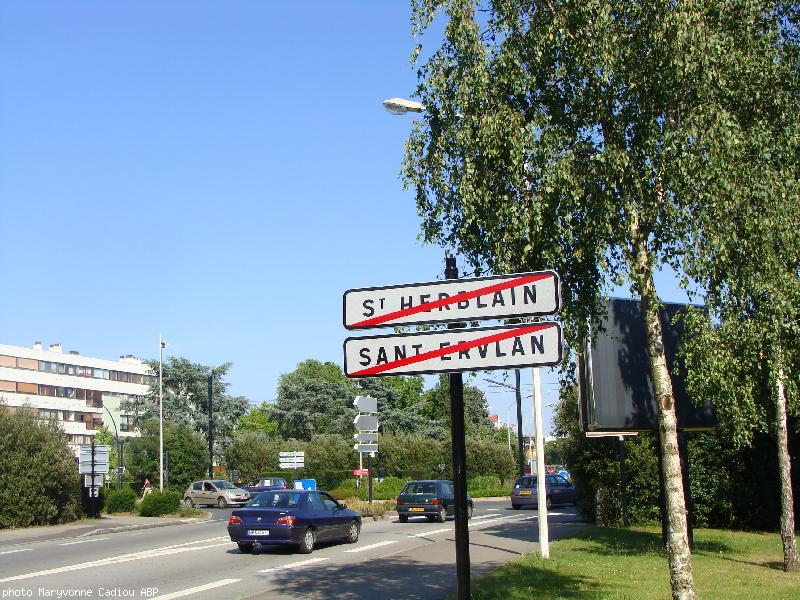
column 211, row 425
column 91, row 487
column 508, row 427
column 544, row 537
column 116, row 436
column 160, row 414
column 369, row 477
column 623, row 480
column 459, row 464
column 520, row 442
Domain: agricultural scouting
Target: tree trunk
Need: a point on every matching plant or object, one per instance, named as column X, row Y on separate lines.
column 678, row 552
column 790, row 562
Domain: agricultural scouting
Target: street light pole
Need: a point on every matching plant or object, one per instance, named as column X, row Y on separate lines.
column 161, row 345
column 119, row 454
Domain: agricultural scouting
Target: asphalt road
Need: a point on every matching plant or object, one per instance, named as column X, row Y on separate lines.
column 391, row 560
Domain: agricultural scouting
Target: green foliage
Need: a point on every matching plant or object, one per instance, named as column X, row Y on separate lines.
column 484, row 482
column 123, row 500
column 106, row 438
column 476, row 409
column 257, row 420
column 186, row 400
column 38, row 478
column 254, row 454
column 156, row 504
column 187, row 451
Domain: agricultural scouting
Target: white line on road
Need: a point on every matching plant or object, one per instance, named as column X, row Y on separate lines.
column 83, row 541
column 295, row 565
column 20, row 550
column 492, row 522
column 198, row 589
column 155, row 552
column 371, row 546
column 484, row 517
column 423, row 534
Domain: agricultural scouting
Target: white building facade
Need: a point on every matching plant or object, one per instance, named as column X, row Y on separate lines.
column 79, row 392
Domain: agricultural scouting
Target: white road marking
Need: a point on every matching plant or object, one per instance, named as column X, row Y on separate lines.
column 20, row 550
column 294, row 565
column 198, row 589
column 492, row 522
column 83, row 541
column 371, row 546
column 155, row 552
column 425, row 533
column 484, row 517
column 493, row 509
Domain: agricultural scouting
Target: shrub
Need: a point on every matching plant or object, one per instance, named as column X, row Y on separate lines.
column 484, row 482
column 38, row 478
column 156, row 504
column 123, row 500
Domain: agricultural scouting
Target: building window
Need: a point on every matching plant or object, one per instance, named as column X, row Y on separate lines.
column 27, row 363
column 8, row 386
column 8, row 361
column 28, row 388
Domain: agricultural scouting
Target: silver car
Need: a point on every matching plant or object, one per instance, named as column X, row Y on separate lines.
column 215, row 492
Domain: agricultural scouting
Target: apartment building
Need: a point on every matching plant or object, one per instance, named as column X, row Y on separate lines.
column 80, row 392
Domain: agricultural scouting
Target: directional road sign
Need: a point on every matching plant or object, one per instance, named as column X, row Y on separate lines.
column 366, row 447
column 291, row 454
column 365, row 437
column 87, row 481
column 86, row 468
column 475, row 349
column 366, row 404
column 498, row 297
column 366, row 422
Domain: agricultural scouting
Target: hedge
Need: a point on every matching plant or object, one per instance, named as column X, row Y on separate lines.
column 156, row 504
column 123, row 500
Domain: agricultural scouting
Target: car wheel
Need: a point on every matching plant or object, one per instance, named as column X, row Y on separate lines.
column 548, row 503
column 307, row 545
column 403, row 518
column 352, row 533
column 442, row 516
column 221, row 503
column 515, row 506
column 469, row 511
column 188, row 502
column 245, row 548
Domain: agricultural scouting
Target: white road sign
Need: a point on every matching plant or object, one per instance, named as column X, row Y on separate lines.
column 498, row 297
column 100, row 454
column 475, row 349
column 84, row 468
column 365, row 437
column 87, row 481
column 366, row 447
column 366, row 404
column 291, row 454
column 366, row 422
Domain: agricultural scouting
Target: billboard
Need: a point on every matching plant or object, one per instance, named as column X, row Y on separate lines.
column 616, row 387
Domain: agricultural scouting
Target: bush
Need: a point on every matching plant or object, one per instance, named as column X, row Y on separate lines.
column 123, row 500
column 156, row 504
column 38, row 478
column 484, row 482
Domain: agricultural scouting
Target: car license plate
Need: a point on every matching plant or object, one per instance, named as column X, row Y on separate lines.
column 258, row 532
column 416, row 509
column 525, row 493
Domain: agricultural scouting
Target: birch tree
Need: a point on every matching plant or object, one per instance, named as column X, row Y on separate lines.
column 574, row 135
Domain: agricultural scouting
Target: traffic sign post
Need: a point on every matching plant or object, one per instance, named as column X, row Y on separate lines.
column 454, row 351
column 366, row 422
column 93, row 463
column 292, row 460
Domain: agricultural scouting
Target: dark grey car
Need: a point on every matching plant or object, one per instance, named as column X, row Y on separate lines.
column 433, row 498
column 525, row 492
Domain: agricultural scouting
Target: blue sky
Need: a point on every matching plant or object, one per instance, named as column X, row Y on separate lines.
column 216, row 172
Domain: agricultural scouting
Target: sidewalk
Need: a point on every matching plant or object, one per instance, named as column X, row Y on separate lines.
column 85, row 527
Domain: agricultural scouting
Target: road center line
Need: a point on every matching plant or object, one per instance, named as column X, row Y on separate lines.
column 371, row 546
column 294, row 565
column 83, row 541
column 20, row 550
column 198, row 589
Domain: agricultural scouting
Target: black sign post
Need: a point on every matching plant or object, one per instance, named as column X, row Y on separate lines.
column 459, row 463
column 91, row 488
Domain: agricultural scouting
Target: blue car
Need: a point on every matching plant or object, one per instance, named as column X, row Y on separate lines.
column 293, row 517
column 265, row 484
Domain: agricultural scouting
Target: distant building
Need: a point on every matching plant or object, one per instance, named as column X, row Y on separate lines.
column 495, row 420
column 77, row 391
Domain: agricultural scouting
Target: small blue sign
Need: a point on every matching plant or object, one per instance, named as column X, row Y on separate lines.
column 305, row 484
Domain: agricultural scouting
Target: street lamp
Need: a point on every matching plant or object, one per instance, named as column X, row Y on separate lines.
column 116, row 436
column 401, row 106
column 161, row 345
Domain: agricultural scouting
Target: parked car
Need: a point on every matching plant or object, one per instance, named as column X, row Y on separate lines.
column 525, row 491
column 293, row 517
column 214, row 492
column 433, row 499
column 265, row 484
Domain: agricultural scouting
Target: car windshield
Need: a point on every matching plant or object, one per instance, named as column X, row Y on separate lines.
column 276, row 500
column 419, row 488
column 224, row 485
column 526, row 482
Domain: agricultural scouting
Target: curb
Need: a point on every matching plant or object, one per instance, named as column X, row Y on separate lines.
column 123, row 528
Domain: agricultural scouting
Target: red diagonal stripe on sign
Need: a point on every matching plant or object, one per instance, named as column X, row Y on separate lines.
column 496, row 337
column 489, row 289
